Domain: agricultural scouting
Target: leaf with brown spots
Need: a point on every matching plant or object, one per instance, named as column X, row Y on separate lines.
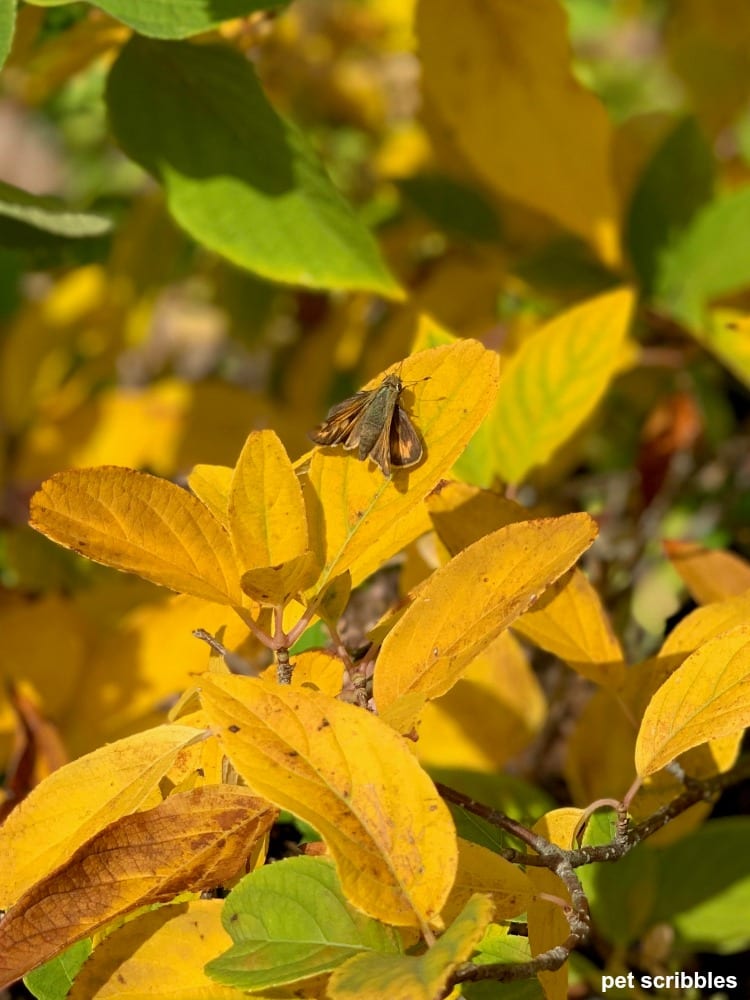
column 192, row 841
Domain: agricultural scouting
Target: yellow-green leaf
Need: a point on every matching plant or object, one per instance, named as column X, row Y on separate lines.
column 421, row 977
column 708, row 696
column 358, row 519
column 80, row 799
column 350, row 776
column 266, row 512
column 462, row 607
column 556, row 380
column 140, row 524
column 497, row 76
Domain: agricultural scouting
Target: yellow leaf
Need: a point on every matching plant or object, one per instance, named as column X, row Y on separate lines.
column 159, row 954
column 708, row 574
column 708, row 696
column 569, row 620
column 405, row 977
column 274, row 585
column 497, row 75
column 211, row 484
column 266, row 513
column 139, row 524
column 727, row 335
column 708, row 46
column 705, row 623
column 555, row 381
column 488, row 716
column 350, row 776
column 358, row 519
column 481, row 870
column 466, row 604
column 79, row 800
column 315, row 668
column 547, row 924
column 189, row 842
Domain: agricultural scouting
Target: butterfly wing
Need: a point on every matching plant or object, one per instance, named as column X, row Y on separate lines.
column 405, row 444
column 340, row 425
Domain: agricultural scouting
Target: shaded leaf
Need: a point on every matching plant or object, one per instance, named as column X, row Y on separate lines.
column 709, row 574
column 174, row 18
column 266, row 513
column 252, row 189
column 351, row 777
column 485, row 66
column 161, row 953
column 660, row 208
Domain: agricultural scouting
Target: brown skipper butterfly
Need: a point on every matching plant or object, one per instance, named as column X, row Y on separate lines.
column 373, row 422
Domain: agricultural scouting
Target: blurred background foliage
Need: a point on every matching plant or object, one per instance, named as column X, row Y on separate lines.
column 125, row 341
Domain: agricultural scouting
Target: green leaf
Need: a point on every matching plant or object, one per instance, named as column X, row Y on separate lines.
column 420, row 977
column 555, row 380
column 454, row 207
column 24, row 215
column 711, row 258
column 291, row 921
column 52, row 981
column 7, row 26
column 661, row 208
column 238, row 178
column 709, row 909
column 499, row 946
column 174, row 18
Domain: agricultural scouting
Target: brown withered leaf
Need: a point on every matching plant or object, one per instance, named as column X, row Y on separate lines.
column 191, row 841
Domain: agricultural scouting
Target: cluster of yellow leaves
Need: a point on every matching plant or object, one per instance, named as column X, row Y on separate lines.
column 267, row 533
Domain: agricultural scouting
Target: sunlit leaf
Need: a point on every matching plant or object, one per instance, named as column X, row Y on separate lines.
column 466, row 604
column 252, row 189
column 358, row 519
column 707, row 697
column 79, row 800
column 555, row 381
column 420, row 977
column 192, row 841
column 291, row 921
column 140, row 524
column 351, row 777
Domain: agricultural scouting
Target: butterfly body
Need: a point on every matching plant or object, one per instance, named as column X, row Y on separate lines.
column 373, row 423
